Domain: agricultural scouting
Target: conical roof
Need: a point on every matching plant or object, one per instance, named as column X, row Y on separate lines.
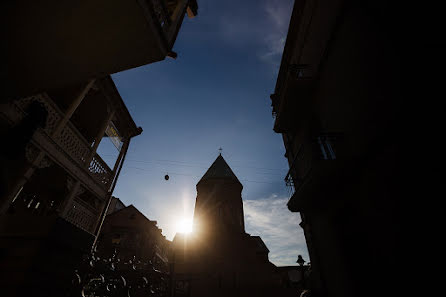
column 219, row 170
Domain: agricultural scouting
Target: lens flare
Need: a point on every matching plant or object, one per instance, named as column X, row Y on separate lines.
column 184, row 226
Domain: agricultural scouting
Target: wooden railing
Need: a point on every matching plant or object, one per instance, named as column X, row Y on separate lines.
column 82, row 216
column 69, row 139
column 100, row 170
column 54, row 113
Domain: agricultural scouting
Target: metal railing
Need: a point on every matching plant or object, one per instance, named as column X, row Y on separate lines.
column 299, row 169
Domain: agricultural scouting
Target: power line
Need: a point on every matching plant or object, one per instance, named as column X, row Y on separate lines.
column 188, row 164
column 196, row 163
column 197, row 176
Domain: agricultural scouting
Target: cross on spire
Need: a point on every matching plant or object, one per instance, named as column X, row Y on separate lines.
column 220, row 150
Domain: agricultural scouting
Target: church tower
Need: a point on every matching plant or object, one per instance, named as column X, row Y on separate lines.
column 219, row 206
column 219, row 258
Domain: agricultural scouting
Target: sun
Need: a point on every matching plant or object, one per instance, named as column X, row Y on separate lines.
column 184, row 225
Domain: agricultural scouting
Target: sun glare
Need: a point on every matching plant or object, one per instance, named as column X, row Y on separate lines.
column 184, row 226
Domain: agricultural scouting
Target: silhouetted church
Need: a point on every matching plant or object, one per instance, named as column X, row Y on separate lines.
column 219, row 258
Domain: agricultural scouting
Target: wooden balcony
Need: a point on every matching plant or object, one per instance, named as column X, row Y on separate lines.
column 318, row 186
column 68, row 148
column 52, row 44
column 291, row 105
column 83, row 216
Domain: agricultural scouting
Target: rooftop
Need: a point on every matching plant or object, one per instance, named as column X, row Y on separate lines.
column 219, row 170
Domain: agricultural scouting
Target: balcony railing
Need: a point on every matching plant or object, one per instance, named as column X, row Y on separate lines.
column 82, row 216
column 299, row 169
column 100, row 170
column 69, row 139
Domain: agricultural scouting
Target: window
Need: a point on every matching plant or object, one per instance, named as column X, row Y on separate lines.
column 182, row 288
column 297, row 70
column 326, row 147
column 116, row 239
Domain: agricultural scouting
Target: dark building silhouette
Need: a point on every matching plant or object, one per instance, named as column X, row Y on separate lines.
column 337, row 103
column 52, row 44
column 295, row 277
column 219, row 258
column 115, row 205
column 127, row 233
column 58, row 102
column 219, row 204
column 54, row 186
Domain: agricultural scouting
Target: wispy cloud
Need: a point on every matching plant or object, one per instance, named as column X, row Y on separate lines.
column 241, row 30
column 279, row 11
column 262, row 26
column 279, row 228
column 278, row 15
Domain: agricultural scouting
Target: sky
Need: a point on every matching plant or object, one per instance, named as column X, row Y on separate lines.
column 215, row 94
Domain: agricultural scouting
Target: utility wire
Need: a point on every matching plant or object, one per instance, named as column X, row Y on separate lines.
column 196, row 163
column 188, row 164
column 197, row 176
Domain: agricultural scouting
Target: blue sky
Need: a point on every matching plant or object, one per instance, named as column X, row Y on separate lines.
column 215, row 94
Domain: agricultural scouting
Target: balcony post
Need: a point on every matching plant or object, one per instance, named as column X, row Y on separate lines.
column 105, row 204
column 28, row 171
column 175, row 22
column 20, row 183
column 68, row 201
column 66, row 204
column 72, row 108
column 177, row 10
column 98, row 137
column 117, row 168
column 118, row 160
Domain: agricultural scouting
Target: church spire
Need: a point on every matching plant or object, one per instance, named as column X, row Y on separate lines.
column 219, row 170
column 219, row 204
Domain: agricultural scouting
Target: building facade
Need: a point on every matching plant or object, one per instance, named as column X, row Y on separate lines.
column 219, row 258
column 295, row 277
column 115, row 205
column 75, row 42
column 337, row 109
column 128, row 234
column 55, row 188
column 58, row 102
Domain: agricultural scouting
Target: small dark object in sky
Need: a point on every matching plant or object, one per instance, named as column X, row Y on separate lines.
column 166, row 177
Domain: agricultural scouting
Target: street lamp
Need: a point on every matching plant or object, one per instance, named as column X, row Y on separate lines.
column 301, row 263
